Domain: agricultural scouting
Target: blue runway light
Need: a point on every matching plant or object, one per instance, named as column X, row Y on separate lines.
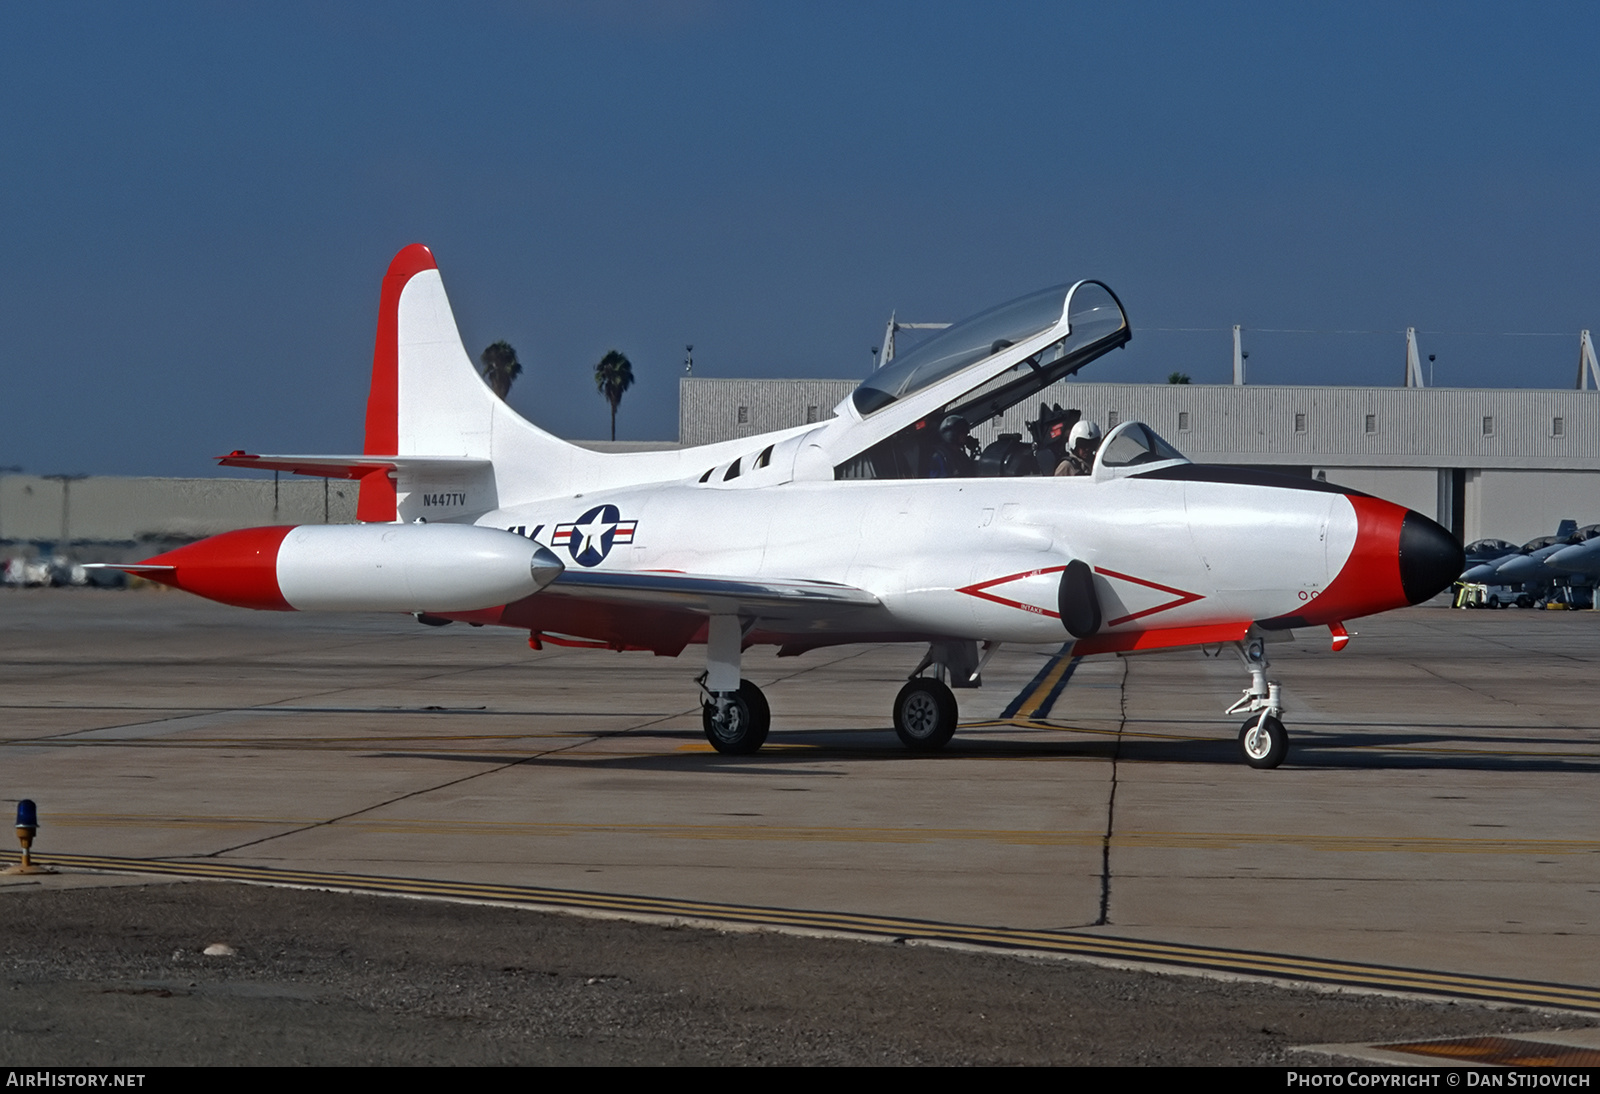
column 27, row 825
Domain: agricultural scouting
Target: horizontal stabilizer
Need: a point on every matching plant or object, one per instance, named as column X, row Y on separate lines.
column 353, row 467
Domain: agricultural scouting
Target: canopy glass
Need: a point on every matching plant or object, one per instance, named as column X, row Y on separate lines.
column 1090, row 319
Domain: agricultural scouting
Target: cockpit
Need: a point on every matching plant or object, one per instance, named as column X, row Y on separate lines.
column 1134, row 445
column 946, row 404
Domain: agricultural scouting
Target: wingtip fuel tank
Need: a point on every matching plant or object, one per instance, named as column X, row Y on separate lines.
column 360, row 567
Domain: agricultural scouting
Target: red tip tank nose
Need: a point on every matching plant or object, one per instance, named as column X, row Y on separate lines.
column 238, row 568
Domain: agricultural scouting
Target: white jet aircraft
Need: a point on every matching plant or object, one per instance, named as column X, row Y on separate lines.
column 881, row 524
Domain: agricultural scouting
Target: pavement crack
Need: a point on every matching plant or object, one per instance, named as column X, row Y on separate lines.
column 1491, row 697
column 191, row 712
column 1104, row 918
column 400, row 798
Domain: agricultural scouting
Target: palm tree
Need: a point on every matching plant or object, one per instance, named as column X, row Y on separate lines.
column 500, row 367
column 613, row 375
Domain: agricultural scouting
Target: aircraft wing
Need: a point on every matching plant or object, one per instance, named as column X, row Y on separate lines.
column 664, row 611
column 351, row 467
column 765, row 598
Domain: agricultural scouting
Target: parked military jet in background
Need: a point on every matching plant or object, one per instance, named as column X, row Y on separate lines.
column 1579, row 553
column 1572, row 550
column 907, row 517
column 1481, row 556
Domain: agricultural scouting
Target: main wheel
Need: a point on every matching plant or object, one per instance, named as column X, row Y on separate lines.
column 743, row 728
column 925, row 715
column 1263, row 741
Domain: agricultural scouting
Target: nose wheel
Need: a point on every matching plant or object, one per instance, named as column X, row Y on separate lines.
column 1262, row 740
column 736, row 722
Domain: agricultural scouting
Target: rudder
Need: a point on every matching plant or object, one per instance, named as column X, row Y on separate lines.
column 376, row 501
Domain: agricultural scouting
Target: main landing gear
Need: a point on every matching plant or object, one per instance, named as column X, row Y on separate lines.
column 925, row 714
column 1262, row 739
column 734, row 712
column 736, row 722
column 925, row 711
column 736, row 716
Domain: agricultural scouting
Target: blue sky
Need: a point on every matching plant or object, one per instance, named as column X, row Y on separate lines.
column 200, row 200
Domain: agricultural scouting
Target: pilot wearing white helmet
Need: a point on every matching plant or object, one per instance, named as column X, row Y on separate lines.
column 1082, row 444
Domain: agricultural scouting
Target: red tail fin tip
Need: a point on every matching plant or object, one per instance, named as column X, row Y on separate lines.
column 377, row 498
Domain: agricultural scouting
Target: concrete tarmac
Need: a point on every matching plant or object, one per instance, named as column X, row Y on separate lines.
column 1437, row 811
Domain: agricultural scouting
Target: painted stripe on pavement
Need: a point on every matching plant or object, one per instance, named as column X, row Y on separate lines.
column 1065, row 943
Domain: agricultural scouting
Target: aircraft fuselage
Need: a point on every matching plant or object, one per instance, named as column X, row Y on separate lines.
column 982, row 558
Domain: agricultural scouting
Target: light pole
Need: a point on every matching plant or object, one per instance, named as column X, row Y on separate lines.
column 66, row 482
column 13, row 469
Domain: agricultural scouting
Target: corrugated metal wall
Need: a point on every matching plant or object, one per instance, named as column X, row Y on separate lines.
column 709, row 410
column 1341, row 426
column 110, row 508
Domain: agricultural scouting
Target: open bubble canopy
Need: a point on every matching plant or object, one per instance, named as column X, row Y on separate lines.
column 1087, row 315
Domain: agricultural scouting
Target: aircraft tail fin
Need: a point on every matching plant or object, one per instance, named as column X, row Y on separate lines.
column 428, row 400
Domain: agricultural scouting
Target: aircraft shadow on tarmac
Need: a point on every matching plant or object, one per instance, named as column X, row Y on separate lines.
column 1390, row 749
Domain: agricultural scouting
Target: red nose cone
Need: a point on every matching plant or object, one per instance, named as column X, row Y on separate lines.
column 1400, row 557
column 238, row 568
column 1370, row 580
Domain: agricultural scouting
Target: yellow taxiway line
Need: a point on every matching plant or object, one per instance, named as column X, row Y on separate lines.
column 1270, row 966
column 1351, row 842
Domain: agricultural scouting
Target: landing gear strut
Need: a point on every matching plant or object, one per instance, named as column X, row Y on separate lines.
column 1262, row 739
column 734, row 712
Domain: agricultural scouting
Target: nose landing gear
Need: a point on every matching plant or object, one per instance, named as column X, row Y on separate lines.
column 1262, row 739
